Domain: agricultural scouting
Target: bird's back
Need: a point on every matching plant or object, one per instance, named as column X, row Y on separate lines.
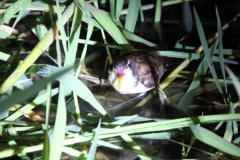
column 148, row 67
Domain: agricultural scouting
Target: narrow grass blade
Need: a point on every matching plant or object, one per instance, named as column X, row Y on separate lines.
column 106, row 23
column 214, row 140
column 185, row 101
column 221, row 58
column 228, row 135
column 141, row 14
column 220, row 44
column 84, row 51
column 93, row 147
column 4, row 56
column 119, row 7
column 11, row 152
column 191, row 56
column 162, row 135
column 95, row 43
column 135, row 147
column 61, row 28
column 136, row 38
column 190, row 145
column 133, row 10
column 85, row 17
column 187, row 16
column 23, row 7
column 40, row 6
column 112, row 8
column 46, row 143
column 207, row 52
column 56, row 139
column 12, row 10
column 109, row 145
column 74, row 36
column 158, row 11
column 73, row 152
column 123, row 121
column 235, row 81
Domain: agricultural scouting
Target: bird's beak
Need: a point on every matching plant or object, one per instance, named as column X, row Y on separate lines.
column 119, row 82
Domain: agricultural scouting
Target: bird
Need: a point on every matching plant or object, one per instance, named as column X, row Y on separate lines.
column 136, row 72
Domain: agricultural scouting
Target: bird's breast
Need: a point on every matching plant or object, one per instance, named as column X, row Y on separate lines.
column 130, row 83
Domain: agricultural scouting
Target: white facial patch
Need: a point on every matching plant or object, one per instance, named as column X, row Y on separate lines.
column 129, row 82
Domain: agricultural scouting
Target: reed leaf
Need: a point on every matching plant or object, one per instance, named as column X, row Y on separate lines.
column 214, row 140
column 105, row 21
column 58, row 133
column 131, row 19
column 93, row 147
column 207, row 53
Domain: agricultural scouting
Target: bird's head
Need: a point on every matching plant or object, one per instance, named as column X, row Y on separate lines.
column 120, row 73
column 119, row 69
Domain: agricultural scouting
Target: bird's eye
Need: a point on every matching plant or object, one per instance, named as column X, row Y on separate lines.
column 128, row 66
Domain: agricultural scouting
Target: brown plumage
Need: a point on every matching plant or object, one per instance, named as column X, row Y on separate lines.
column 136, row 69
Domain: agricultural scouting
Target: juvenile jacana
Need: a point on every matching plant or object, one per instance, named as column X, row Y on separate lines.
column 136, row 72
